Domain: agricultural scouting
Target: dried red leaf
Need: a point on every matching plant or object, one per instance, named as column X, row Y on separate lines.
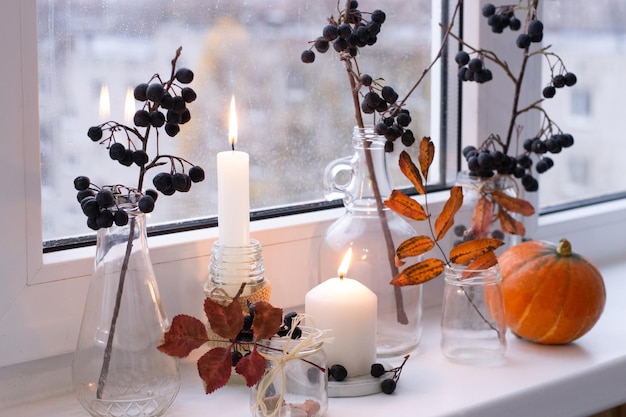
column 514, row 204
column 482, row 262
column 185, row 334
column 405, row 205
column 227, row 321
column 214, row 368
column 414, row 246
column 419, row 273
column 509, row 224
column 467, row 251
column 482, row 217
column 426, row 155
column 251, row 367
column 267, row 320
column 445, row 220
column 410, row 170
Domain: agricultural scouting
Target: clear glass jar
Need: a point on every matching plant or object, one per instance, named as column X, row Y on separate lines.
column 117, row 369
column 473, row 330
column 373, row 232
column 295, row 381
column 230, row 267
column 473, row 188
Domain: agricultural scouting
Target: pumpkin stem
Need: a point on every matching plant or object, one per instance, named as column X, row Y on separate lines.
column 564, row 248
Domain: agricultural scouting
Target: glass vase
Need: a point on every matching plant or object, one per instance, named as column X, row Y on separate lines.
column 373, row 232
column 295, row 382
column 474, row 188
column 473, row 330
column 117, row 369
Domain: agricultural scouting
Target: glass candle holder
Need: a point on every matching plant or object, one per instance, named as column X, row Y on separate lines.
column 231, row 267
column 472, row 322
column 295, row 381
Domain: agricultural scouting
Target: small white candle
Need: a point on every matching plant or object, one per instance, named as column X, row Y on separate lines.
column 347, row 309
column 233, row 191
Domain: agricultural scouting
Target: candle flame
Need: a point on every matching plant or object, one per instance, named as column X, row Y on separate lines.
column 129, row 106
column 345, row 263
column 105, row 103
column 232, row 125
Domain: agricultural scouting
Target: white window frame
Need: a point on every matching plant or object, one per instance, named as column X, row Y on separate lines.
column 42, row 295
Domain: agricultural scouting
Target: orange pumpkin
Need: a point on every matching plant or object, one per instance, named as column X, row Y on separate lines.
column 551, row 295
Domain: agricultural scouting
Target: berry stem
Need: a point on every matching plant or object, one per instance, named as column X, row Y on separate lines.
column 380, row 207
column 106, row 362
column 531, row 14
column 442, row 48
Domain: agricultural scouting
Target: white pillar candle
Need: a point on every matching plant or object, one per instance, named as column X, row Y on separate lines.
column 347, row 309
column 233, row 191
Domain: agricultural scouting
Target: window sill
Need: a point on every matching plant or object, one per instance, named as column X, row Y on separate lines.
column 578, row 379
column 51, row 310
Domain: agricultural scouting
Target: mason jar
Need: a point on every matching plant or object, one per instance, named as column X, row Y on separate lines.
column 473, row 330
column 295, row 382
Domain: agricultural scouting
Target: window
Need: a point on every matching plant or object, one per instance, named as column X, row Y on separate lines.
column 294, row 118
column 581, row 103
column 42, row 295
column 589, row 37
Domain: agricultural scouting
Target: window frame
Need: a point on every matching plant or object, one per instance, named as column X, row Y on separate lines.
column 42, row 295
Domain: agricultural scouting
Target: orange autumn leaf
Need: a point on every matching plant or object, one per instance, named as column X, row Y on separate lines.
column 414, row 246
column 482, row 217
column 482, row 262
column 419, row 273
column 510, row 225
column 426, row 155
column 409, row 169
column 516, row 205
column 467, row 251
column 406, row 206
column 445, row 220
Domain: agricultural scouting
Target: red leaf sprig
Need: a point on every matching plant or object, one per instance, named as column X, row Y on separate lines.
column 188, row 333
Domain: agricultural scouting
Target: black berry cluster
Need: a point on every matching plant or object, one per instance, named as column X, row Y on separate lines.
column 106, row 206
column 486, row 162
column 472, row 69
column 168, row 183
column 500, row 18
column 164, row 107
column 351, row 32
column 245, row 337
column 533, row 34
column 158, row 96
column 564, row 79
column 389, row 383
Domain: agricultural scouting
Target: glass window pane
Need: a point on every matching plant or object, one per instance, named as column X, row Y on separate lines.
column 293, row 118
column 590, row 37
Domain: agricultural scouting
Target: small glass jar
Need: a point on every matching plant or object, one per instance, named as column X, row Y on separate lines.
column 475, row 188
column 230, row 267
column 295, row 381
column 472, row 322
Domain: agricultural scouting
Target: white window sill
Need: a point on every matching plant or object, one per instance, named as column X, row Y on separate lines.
column 578, row 379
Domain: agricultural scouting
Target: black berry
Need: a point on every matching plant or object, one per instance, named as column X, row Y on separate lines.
column 81, row 183
column 184, row 75
column 338, row 372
